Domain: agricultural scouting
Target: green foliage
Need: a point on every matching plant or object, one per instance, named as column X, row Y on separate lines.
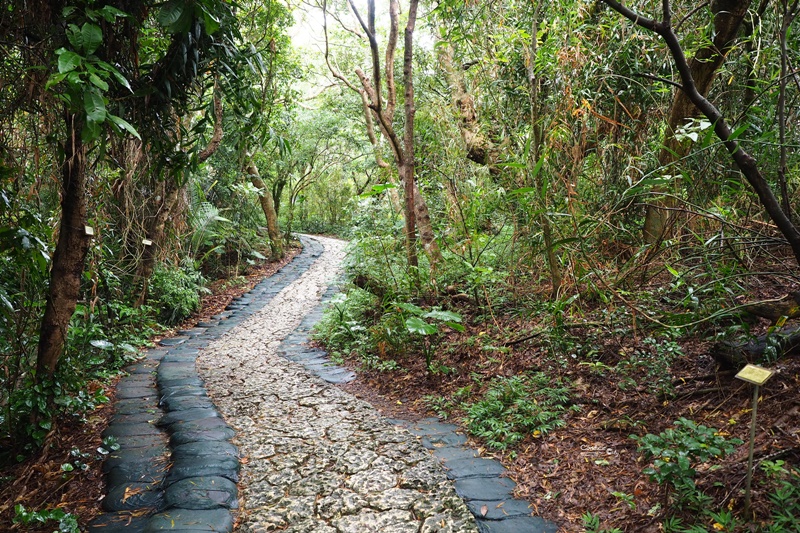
column 676, row 452
column 515, row 407
column 592, row 524
column 176, row 292
column 67, row 522
column 84, row 76
column 341, row 325
column 783, row 484
column 420, row 322
column 651, row 365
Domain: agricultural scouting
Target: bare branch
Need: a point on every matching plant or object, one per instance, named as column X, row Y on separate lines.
column 659, row 79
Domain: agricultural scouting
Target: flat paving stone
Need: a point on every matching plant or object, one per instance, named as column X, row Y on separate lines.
column 197, row 521
column 133, row 497
column 184, row 437
column 149, row 473
column 141, row 441
column 473, row 467
column 130, row 392
column 154, row 455
column 450, row 453
column 528, row 524
column 485, row 488
column 187, row 415
column 499, row 510
column 129, row 425
column 186, row 402
column 120, row 522
column 199, row 424
column 173, row 341
column 135, row 406
column 191, row 467
column 207, row 492
column 205, row 449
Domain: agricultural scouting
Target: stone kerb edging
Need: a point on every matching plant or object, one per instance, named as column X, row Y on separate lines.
column 175, row 469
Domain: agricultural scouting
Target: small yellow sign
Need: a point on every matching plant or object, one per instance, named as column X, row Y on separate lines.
column 755, row 374
column 88, row 231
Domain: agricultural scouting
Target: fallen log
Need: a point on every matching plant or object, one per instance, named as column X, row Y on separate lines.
column 788, row 306
column 736, row 354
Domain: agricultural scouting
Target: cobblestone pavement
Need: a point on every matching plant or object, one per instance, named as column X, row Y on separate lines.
column 316, row 458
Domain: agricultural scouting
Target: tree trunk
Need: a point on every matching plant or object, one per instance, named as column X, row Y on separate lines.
column 478, row 146
column 265, row 198
column 744, row 161
column 69, row 255
column 156, row 231
column 728, row 16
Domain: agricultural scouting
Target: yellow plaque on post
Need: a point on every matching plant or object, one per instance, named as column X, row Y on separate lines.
column 755, row 374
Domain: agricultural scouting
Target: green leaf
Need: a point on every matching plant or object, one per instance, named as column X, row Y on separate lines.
column 209, row 20
column 377, row 189
column 444, row 316
column 122, row 123
column 94, row 105
column 120, row 78
column 411, row 308
column 102, row 344
column 174, row 16
column 90, row 132
column 456, row 326
column 55, row 79
column 417, row 325
column 74, row 36
column 98, row 82
column 109, row 13
column 738, row 131
column 68, row 61
column 92, row 37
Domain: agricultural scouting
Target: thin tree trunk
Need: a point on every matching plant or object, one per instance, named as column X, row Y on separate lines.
column 156, row 232
column 267, row 205
column 69, row 255
column 553, row 265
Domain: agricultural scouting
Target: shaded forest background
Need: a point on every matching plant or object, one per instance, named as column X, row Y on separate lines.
column 570, row 222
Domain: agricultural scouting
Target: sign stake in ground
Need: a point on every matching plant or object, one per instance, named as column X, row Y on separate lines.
column 757, row 376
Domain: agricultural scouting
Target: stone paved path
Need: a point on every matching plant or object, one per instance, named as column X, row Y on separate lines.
column 317, row 458
column 313, row 458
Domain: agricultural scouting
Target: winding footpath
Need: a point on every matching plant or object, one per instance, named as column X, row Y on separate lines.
column 237, row 421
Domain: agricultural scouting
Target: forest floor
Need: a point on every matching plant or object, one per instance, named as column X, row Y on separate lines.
column 589, row 465
column 624, row 381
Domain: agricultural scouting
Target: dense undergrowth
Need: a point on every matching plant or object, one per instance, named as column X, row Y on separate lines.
column 612, row 380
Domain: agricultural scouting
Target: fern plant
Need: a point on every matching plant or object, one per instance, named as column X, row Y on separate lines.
column 516, row 407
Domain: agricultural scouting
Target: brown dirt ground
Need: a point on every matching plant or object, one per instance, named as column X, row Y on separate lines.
column 575, row 469
column 39, row 482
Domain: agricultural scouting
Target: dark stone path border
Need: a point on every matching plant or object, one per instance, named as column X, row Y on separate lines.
column 175, row 469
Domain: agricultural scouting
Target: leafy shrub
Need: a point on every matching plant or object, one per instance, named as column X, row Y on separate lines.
column 341, row 326
column 67, row 522
column 515, row 407
column 676, row 451
column 176, row 292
